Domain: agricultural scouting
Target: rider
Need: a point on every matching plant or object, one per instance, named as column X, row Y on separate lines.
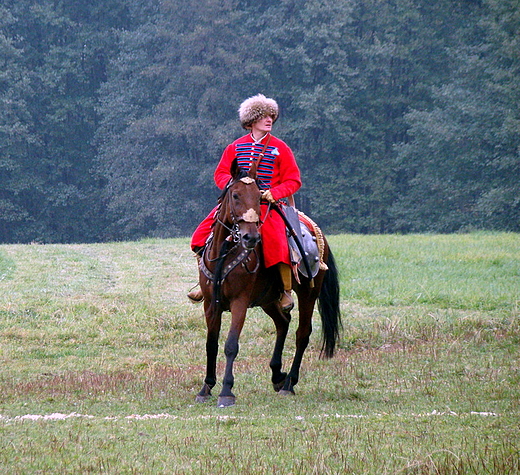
column 278, row 177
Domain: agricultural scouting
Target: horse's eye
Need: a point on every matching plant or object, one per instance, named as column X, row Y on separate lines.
column 235, row 196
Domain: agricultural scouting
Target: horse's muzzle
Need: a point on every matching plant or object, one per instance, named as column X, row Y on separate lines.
column 250, row 240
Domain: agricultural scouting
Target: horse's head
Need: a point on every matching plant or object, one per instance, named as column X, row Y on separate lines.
column 241, row 206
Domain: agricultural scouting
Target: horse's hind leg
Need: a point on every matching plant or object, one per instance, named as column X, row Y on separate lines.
column 213, row 323
column 281, row 321
column 303, row 333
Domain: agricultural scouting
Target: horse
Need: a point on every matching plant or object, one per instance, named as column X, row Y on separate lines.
column 233, row 278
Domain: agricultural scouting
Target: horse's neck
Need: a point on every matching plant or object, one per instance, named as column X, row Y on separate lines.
column 220, row 234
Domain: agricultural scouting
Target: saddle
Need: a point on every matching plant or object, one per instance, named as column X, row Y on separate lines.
column 312, row 241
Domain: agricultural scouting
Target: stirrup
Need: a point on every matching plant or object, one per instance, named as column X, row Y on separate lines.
column 286, row 301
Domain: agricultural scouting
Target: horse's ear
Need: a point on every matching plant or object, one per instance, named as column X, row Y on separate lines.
column 235, row 169
column 253, row 169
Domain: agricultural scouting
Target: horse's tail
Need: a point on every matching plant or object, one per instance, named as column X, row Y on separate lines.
column 328, row 305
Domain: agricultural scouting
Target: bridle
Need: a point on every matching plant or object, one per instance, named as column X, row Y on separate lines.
column 248, row 180
column 233, row 242
column 248, row 217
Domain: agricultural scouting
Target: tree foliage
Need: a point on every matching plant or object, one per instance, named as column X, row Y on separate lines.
column 54, row 66
column 403, row 114
column 463, row 159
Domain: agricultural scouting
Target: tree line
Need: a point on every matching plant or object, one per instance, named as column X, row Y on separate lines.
column 403, row 114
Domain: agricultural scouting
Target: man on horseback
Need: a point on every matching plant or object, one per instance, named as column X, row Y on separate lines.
column 278, row 177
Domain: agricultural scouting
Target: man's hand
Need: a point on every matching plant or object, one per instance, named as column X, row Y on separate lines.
column 267, row 195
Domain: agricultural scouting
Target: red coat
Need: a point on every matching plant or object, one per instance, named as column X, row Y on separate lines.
column 277, row 171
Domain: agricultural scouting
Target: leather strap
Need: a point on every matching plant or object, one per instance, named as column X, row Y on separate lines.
column 264, row 148
column 229, row 267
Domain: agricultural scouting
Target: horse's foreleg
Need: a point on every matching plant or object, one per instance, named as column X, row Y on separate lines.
column 213, row 323
column 281, row 321
column 238, row 314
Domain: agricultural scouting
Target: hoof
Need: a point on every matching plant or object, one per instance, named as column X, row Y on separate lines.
column 204, row 394
column 202, row 399
column 226, row 401
column 285, row 392
column 280, row 384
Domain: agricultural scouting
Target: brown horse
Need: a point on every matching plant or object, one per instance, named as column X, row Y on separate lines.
column 233, row 278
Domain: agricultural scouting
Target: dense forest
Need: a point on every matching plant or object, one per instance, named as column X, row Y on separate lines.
column 404, row 115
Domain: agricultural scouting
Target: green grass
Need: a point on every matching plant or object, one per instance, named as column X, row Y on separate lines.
column 102, row 356
column 473, row 271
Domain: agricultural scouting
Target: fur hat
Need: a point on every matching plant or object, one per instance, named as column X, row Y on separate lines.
column 256, row 108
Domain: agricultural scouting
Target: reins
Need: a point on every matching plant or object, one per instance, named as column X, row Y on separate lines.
column 230, row 244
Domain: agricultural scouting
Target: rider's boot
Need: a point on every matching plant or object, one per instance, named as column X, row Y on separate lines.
column 286, row 300
column 196, row 295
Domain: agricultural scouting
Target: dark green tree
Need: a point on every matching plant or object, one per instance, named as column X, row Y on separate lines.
column 56, row 56
column 403, row 114
column 169, row 109
column 462, row 161
column 347, row 73
column 16, row 134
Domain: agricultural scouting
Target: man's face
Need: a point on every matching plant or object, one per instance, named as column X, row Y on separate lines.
column 262, row 126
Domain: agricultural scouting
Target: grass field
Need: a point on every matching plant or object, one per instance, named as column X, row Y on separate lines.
column 102, row 356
